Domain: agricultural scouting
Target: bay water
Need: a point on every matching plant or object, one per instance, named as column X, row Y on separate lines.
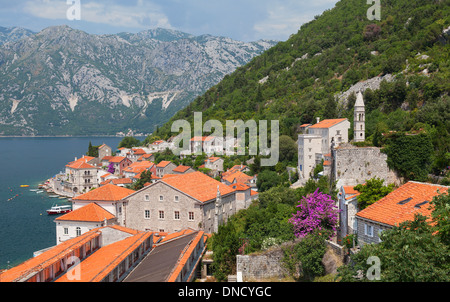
column 25, row 226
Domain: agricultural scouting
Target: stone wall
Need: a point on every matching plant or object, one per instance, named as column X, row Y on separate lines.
column 355, row 165
column 269, row 264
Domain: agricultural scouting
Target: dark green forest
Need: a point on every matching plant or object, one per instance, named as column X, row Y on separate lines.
column 336, row 50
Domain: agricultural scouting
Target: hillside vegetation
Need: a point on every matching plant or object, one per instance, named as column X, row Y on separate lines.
column 300, row 79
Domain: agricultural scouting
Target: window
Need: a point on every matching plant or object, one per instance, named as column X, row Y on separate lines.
column 78, row 231
column 176, row 198
column 161, row 198
column 379, row 235
column 66, row 231
column 368, row 230
column 147, row 214
column 147, row 197
column 191, row 216
column 161, row 214
column 177, row 215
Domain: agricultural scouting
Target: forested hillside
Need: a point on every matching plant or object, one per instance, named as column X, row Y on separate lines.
column 305, row 77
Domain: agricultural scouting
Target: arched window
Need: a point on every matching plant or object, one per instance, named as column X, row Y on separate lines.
column 78, row 231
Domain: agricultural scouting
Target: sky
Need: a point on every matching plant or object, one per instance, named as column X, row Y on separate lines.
column 244, row 20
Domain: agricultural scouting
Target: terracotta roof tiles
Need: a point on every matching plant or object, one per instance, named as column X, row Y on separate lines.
column 108, row 192
column 402, row 204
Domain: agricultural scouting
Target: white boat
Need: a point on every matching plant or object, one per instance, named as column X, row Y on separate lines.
column 38, row 192
column 59, row 210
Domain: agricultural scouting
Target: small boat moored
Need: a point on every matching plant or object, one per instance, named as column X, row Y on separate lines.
column 59, row 210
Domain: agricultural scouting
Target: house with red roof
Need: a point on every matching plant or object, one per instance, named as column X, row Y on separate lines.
column 348, row 206
column 108, row 197
column 238, row 177
column 104, row 150
column 119, row 164
column 207, row 144
column 139, row 167
column 82, row 220
column 395, row 208
column 176, row 202
column 214, row 163
column 164, row 167
column 81, row 176
column 182, row 170
column 316, row 142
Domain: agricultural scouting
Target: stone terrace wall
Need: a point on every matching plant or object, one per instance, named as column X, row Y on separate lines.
column 355, row 165
column 269, row 264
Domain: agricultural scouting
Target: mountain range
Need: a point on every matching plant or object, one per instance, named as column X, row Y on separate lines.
column 63, row 81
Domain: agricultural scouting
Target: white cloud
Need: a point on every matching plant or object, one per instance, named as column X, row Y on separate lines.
column 143, row 15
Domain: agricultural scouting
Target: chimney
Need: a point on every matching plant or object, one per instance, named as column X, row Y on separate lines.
column 318, row 120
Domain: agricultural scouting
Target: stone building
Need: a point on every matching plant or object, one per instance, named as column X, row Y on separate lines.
column 104, row 150
column 177, row 202
column 82, row 220
column 354, row 165
column 316, row 143
column 81, row 176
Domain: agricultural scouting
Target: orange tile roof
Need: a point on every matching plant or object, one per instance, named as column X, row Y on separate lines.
column 239, row 176
column 163, row 164
column 185, row 257
column 108, row 192
column 47, row 258
column 213, row 159
column 233, row 169
column 117, row 159
column 81, row 163
column 91, row 212
column 138, row 167
column 198, row 185
column 97, row 266
column 253, row 193
column 145, row 156
column 327, row 163
column 201, row 138
column 239, row 187
column 388, row 210
column 328, row 123
column 171, row 236
column 181, row 169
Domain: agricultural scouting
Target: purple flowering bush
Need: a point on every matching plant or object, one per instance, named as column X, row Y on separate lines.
column 316, row 211
column 111, row 168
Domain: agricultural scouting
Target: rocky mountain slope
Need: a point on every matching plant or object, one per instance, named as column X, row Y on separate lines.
column 12, row 34
column 63, row 81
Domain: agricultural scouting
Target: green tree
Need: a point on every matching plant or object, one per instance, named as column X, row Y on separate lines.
column 407, row 253
column 146, row 177
column 267, row 179
column 288, row 149
column 372, row 191
column 304, row 259
column 129, row 142
column 441, row 216
column 92, row 150
column 225, row 244
column 410, row 155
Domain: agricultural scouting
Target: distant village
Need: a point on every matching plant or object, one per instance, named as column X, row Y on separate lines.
column 117, row 232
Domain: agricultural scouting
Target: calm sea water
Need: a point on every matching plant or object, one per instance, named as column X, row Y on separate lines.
column 25, row 226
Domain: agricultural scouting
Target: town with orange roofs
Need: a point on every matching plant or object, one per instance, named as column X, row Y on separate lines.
column 142, row 214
